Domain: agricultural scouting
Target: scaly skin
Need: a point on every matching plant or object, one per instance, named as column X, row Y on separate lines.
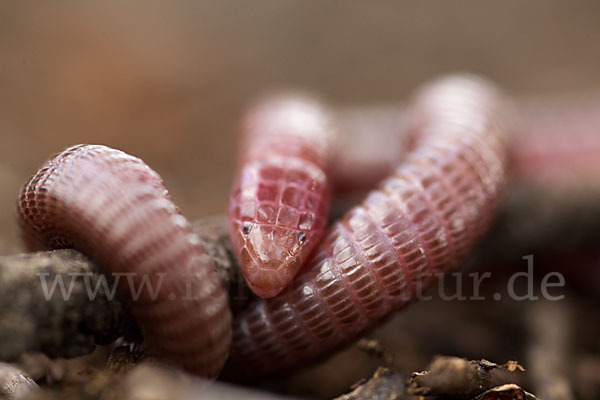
column 556, row 143
column 114, row 208
column 281, row 195
column 424, row 219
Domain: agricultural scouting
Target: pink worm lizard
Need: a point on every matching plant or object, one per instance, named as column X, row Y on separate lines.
column 424, row 218
column 115, row 209
column 280, row 200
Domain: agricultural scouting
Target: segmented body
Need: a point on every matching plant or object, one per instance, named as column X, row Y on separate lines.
column 281, row 195
column 423, row 220
column 114, row 208
column 556, row 143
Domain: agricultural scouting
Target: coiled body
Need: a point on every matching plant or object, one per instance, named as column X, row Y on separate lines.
column 281, row 194
column 423, row 220
column 114, row 208
column 556, row 143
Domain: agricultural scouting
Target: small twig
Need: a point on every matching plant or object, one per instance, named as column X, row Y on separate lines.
column 506, row 392
column 452, row 377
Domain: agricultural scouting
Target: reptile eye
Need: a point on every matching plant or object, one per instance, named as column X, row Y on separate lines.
column 247, row 228
column 301, row 236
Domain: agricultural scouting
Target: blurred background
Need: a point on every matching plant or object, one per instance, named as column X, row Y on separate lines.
column 167, row 81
